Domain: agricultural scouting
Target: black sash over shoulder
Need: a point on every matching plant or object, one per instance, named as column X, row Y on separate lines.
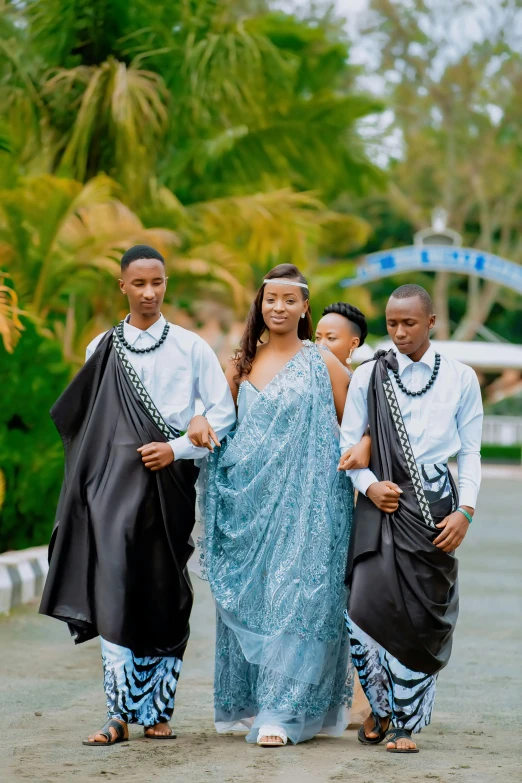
column 121, row 540
column 404, row 590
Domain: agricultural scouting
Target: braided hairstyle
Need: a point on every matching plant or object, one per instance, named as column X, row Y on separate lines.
column 353, row 314
column 255, row 325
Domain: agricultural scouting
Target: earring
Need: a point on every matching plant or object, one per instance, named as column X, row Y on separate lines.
column 302, row 315
column 349, row 359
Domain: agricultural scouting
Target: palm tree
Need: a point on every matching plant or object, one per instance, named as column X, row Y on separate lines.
column 60, row 239
column 226, row 125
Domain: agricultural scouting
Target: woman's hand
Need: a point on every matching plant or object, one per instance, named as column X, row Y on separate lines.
column 201, row 433
column 358, row 456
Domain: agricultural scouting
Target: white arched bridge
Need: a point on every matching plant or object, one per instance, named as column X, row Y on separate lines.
column 437, row 258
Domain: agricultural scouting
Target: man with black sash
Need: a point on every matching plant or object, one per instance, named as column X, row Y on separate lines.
column 422, row 408
column 122, row 536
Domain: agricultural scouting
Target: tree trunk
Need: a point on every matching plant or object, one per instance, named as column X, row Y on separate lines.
column 440, row 302
column 477, row 313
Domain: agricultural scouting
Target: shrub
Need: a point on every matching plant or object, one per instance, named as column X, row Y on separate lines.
column 31, row 452
column 493, row 452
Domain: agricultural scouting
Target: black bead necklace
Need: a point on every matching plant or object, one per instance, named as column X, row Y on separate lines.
column 430, row 383
column 129, row 347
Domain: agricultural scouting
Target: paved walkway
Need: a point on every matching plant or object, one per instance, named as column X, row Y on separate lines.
column 51, row 695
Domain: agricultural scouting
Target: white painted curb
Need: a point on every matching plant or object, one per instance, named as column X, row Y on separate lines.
column 22, row 576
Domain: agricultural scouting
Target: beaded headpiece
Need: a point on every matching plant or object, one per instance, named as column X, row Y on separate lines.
column 285, row 281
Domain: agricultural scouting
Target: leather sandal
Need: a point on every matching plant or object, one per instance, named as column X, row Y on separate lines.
column 118, row 727
column 170, row 736
column 397, row 734
column 377, row 729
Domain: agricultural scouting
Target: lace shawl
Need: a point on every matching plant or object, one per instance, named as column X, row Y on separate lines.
column 277, row 517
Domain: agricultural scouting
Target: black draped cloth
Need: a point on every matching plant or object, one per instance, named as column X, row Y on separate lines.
column 121, row 540
column 404, row 590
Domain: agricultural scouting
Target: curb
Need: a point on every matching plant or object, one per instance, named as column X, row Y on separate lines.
column 22, row 576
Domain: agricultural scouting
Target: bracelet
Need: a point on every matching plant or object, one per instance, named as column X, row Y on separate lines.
column 466, row 514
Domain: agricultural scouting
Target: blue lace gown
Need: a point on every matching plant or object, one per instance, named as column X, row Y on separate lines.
column 277, row 516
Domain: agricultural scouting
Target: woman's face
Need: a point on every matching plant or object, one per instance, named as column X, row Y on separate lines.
column 335, row 331
column 282, row 307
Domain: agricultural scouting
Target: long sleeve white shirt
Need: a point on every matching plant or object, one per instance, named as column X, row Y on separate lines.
column 445, row 421
column 182, row 370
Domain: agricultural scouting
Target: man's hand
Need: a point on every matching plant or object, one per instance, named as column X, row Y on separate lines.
column 385, row 495
column 358, row 457
column 156, row 456
column 201, row 433
column 454, row 529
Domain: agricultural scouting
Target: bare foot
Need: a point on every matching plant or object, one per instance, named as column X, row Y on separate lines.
column 99, row 737
column 369, row 724
column 158, row 730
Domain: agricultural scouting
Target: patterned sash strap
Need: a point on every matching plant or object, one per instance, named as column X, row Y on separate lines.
column 144, row 396
column 408, row 452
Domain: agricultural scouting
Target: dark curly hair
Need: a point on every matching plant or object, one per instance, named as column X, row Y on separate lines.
column 255, row 325
column 353, row 314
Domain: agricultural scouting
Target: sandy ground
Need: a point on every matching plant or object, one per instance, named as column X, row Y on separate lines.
column 51, row 695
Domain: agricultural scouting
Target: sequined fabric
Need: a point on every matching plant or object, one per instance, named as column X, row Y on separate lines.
column 277, row 519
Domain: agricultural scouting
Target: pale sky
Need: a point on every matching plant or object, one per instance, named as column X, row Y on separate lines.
column 453, row 29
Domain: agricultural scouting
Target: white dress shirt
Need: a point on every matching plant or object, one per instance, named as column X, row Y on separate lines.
column 177, row 374
column 445, row 421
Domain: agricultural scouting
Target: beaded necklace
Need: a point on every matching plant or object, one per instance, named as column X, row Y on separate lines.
column 430, row 383
column 129, row 347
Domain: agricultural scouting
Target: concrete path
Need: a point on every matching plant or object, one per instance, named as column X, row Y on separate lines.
column 51, row 695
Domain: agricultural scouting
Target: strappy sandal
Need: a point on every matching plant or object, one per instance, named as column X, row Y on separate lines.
column 377, row 729
column 118, row 727
column 397, row 734
column 170, row 736
column 272, row 731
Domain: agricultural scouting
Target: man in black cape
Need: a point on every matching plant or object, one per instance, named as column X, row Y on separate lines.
column 122, row 536
column 422, row 408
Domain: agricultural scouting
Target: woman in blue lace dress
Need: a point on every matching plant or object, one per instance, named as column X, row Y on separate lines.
column 277, row 517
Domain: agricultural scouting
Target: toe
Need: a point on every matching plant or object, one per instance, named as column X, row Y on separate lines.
column 97, row 738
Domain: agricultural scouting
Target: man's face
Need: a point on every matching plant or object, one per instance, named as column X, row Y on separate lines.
column 408, row 323
column 145, row 283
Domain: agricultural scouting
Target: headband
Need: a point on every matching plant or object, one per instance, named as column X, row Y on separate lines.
column 285, row 281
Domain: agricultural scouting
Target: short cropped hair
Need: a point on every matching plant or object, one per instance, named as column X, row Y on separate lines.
column 353, row 314
column 140, row 251
column 410, row 290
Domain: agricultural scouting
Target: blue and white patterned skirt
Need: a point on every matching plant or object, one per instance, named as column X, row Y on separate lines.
column 139, row 690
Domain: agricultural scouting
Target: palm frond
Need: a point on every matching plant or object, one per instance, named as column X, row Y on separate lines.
column 5, row 140
column 125, row 104
column 11, row 326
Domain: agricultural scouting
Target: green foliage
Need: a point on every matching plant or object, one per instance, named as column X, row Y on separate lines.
column 510, row 406
column 220, row 132
column 492, row 452
column 455, row 123
column 31, row 452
